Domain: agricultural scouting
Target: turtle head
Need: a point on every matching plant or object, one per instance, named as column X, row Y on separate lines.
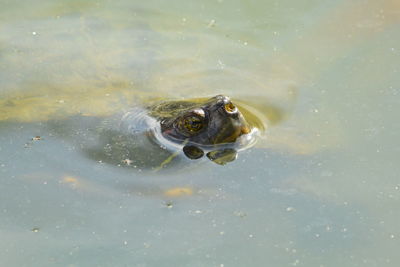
column 211, row 122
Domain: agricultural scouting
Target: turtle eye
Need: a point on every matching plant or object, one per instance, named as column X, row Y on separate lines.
column 192, row 124
column 230, row 108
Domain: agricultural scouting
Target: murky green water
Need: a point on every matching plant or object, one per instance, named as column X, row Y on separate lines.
column 321, row 189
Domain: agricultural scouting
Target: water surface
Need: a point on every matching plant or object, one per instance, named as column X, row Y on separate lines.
column 320, row 189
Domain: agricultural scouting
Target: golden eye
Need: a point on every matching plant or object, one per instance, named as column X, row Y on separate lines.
column 230, row 108
column 193, row 124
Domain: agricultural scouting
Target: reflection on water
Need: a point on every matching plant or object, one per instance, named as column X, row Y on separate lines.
column 320, row 189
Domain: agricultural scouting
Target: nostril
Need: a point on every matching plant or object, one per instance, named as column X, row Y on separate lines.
column 221, row 99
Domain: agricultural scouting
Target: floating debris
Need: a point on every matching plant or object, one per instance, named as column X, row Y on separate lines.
column 240, row 214
column 169, row 204
column 211, row 23
column 37, row 138
column 33, row 139
column 127, row 162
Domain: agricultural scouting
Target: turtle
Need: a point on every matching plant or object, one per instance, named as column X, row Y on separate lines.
column 152, row 136
column 214, row 125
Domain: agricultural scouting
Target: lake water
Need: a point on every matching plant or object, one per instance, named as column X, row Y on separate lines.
column 321, row 188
